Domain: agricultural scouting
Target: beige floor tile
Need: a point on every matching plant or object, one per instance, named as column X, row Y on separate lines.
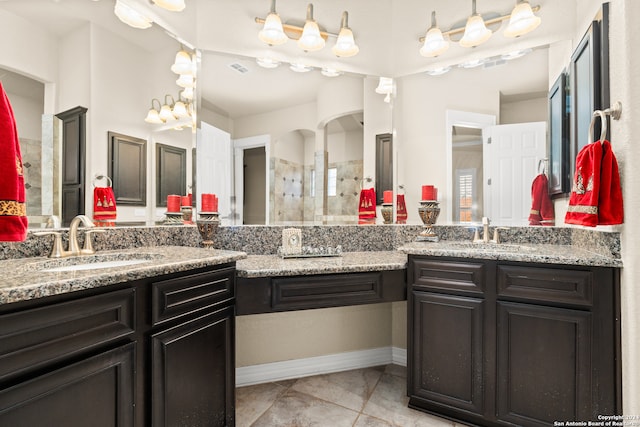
column 253, row 401
column 294, row 409
column 350, row 389
column 367, row 421
column 389, row 402
column 397, row 370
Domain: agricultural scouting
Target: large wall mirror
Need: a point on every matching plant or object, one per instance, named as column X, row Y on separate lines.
column 81, row 54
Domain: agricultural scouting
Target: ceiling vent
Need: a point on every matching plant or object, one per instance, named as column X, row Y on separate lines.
column 239, row 68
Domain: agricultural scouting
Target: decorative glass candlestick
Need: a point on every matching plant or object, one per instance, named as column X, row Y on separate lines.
column 207, row 223
column 387, row 212
column 429, row 211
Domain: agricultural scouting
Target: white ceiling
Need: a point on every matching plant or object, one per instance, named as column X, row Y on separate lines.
column 387, row 32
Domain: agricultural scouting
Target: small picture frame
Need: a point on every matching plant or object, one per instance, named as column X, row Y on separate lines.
column 291, row 241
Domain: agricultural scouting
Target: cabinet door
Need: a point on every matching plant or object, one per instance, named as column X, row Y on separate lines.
column 544, row 364
column 95, row 392
column 193, row 377
column 446, row 358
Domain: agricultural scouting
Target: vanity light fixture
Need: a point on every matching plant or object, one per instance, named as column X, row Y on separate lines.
column 438, row 71
column 153, row 116
column 330, row 72
column 475, row 32
column 187, row 93
column 434, row 42
column 131, row 16
column 185, row 80
column 171, row 5
column 522, row 20
column 299, row 67
column 184, row 63
column 385, row 87
column 266, row 62
column 310, row 37
column 345, row 45
column 272, row 33
column 310, row 40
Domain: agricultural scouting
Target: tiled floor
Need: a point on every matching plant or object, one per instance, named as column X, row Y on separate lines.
column 370, row 397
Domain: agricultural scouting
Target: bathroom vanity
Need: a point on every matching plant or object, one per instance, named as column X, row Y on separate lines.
column 498, row 341
column 154, row 347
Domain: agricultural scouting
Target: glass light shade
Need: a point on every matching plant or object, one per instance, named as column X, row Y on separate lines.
column 345, row 45
column 272, row 32
column 187, row 93
column 130, row 16
column 300, row 68
column 522, row 21
column 183, row 63
column 330, row 72
column 311, row 40
column 180, row 110
column 515, row 54
column 475, row 32
column 267, row 62
column 472, row 63
column 438, row 71
column 434, row 43
column 185, row 80
column 172, row 5
column 153, row 117
column 385, row 86
column 166, row 115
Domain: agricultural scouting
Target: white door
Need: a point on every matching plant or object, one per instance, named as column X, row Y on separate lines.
column 511, row 163
column 214, row 168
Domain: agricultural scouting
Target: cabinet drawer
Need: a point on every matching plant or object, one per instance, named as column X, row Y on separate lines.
column 294, row 293
column 184, row 295
column 468, row 277
column 539, row 284
column 31, row 339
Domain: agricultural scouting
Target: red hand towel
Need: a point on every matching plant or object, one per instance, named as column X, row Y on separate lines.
column 596, row 196
column 401, row 206
column 610, row 205
column 104, row 206
column 367, row 206
column 13, row 210
column 541, row 207
column 583, row 202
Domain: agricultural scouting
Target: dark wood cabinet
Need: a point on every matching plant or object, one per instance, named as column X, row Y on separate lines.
column 496, row 343
column 156, row 351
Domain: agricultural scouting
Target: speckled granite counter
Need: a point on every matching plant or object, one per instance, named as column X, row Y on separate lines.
column 349, row 262
column 547, row 254
column 25, row 278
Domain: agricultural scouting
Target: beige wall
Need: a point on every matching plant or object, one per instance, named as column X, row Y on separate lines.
column 625, row 62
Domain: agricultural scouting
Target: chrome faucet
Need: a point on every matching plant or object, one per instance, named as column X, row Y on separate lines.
column 74, row 249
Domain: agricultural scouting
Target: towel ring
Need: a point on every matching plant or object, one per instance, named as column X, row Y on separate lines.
column 401, row 188
column 100, row 177
column 362, row 181
column 603, row 125
column 543, row 162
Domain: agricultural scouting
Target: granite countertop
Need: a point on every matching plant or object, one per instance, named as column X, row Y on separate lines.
column 546, row 254
column 24, row 278
column 349, row 262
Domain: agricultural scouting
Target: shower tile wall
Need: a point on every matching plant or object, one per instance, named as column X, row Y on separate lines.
column 343, row 207
column 31, row 151
column 287, row 191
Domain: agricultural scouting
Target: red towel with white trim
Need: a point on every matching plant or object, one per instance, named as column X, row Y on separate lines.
column 367, row 206
column 13, row 209
column 104, row 206
column 596, row 195
column 541, row 206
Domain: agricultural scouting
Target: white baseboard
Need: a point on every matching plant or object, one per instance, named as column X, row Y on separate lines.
column 298, row 368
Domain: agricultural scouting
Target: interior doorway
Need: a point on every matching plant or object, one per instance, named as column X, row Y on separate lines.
column 254, row 200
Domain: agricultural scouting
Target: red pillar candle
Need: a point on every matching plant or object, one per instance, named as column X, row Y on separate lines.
column 435, row 193
column 207, row 202
column 427, row 192
column 184, row 201
column 173, row 203
column 215, row 203
column 387, row 197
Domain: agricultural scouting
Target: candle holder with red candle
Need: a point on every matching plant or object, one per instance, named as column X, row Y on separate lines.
column 387, row 207
column 173, row 216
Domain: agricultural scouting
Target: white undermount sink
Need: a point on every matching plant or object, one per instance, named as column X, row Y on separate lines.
column 96, row 265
